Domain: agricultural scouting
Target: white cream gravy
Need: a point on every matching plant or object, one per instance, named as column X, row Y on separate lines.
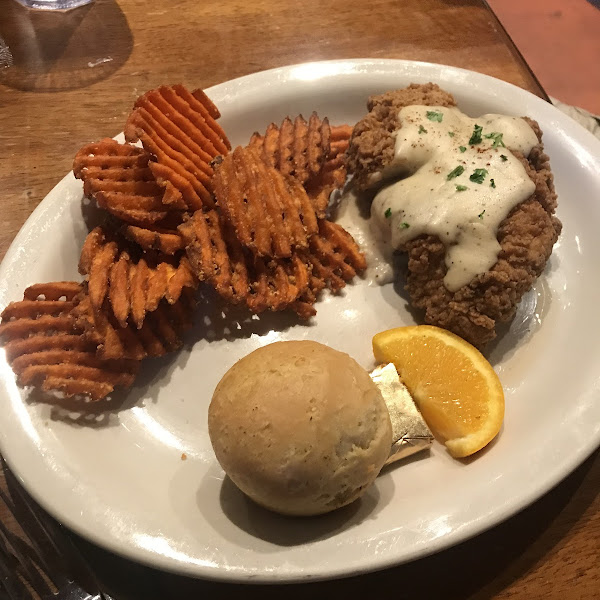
column 352, row 214
column 457, row 191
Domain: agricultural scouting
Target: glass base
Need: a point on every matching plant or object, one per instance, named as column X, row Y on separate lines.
column 52, row 4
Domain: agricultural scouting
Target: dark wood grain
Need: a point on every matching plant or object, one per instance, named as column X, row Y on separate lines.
column 73, row 78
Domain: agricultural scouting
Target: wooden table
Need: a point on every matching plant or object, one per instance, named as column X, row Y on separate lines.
column 73, row 78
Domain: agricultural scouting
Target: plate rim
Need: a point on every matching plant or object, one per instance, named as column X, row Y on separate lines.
column 376, row 562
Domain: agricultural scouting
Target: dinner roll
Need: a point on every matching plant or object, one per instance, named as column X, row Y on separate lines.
column 299, row 427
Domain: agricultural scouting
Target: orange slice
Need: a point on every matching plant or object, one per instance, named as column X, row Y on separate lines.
column 454, row 386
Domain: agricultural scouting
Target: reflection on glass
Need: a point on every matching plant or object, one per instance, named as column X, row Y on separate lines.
column 53, row 4
column 62, row 50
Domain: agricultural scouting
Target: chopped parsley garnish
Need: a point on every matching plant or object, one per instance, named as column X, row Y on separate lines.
column 404, row 225
column 492, row 183
column 455, row 172
column 451, row 133
column 480, row 215
column 434, row 115
column 388, row 213
column 462, row 148
column 497, row 137
column 476, row 135
column 503, row 157
column 478, row 175
column 422, row 129
column 461, row 188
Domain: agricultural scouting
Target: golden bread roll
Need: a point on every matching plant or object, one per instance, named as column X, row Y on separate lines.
column 299, row 427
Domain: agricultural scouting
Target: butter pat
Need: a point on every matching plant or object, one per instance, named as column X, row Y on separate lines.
column 410, row 433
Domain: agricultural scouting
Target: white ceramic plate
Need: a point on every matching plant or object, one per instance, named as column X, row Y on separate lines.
column 121, row 481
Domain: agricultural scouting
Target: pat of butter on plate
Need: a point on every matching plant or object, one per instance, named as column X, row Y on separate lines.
column 410, row 433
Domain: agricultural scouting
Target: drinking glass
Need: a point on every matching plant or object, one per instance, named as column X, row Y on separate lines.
column 53, row 4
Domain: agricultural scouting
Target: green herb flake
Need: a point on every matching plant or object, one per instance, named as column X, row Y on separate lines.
column 497, row 137
column 434, row 115
column 462, row 148
column 422, row 129
column 478, row 175
column 388, row 213
column 404, row 225
column 476, row 135
column 492, row 183
column 455, row 172
column 461, row 188
column 480, row 215
column 503, row 157
column 451, row 133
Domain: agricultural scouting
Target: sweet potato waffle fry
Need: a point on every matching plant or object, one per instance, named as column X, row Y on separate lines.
column 295, row 148
column 119, row 177
column 335, row 256
column 312, row 153
column 271, row 214
column 46, row 348
column 334, row 173
column 340, row 140
column 217, row 257
column 165, row 241
column 249, row 223
column 160, row 333
column 180, row 130
column 334, row 259
column 133, row 287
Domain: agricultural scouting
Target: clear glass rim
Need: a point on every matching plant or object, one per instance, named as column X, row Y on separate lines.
column 53, row 4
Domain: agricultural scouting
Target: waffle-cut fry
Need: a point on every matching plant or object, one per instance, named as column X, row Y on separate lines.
column 217, row 257
column 23, row 326
column 298, row 149
column 134, row 287
column 55, row 291
column 138, row 286
column 119, row 177
column 160, row 333
column 304, row 306
column 24, row 308
column 212, row 111
column 118, row 288
column 180, row 130
column 340, row 139
column 46, row 348
column 166, row 241
column 276, row 284
column 97, row 258
column 270, row 214
column 40, row 343
column 192, row 112
column 313, row 153
column 334, row 173
column 334, row 258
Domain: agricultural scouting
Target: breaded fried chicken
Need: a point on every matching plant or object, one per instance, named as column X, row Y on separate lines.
column 372, row 142
column 526, row 236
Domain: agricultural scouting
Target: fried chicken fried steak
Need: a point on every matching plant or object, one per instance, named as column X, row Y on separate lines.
column 525, row 235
